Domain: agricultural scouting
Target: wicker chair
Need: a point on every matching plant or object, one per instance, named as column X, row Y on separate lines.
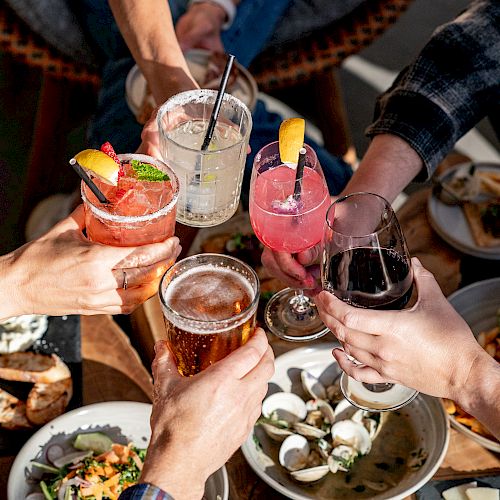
column 308, row 65
column 68, row 86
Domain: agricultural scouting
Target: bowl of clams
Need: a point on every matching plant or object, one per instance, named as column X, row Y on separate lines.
column 311, row 443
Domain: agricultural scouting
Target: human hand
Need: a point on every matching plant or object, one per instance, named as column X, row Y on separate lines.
column 200, row 27
column 299, row 271
column 428, row 347
column 198, row 422
column 62, row 272
column 150, row 138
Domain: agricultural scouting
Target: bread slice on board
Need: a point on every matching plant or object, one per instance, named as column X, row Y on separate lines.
column 12, row 412
column 33, row 367
column 48, row 401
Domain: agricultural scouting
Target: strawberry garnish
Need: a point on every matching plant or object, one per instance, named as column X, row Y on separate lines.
column 108, row 149
column 120, row 193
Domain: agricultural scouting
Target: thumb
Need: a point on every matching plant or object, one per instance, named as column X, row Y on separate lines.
column 427, row 286
column 75, row 221
column 310, row 256
column 164, row 365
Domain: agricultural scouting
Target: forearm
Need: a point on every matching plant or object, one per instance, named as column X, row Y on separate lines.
column 165, row 469
column 387, row 167
column 149, row 33
column 480, row 396
column 453, row 83
column 10, row 288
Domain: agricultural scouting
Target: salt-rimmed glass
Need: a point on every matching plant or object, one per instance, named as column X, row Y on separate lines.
column 210, row 181
column 209, row 304
column 104, row 226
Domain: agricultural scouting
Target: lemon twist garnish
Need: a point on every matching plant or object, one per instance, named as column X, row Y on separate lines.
column 291, row 139
column 99, row 164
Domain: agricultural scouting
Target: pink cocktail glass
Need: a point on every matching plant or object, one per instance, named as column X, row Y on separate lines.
column 285, row 223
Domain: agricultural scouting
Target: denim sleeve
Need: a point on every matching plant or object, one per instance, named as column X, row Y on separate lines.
column 144, row 491
column 452, row 85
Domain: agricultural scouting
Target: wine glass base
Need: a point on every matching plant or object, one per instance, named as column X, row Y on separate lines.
column 391, row 398
column 285, row 323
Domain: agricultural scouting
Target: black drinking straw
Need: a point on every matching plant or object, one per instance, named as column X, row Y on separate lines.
column 218, row 103
column 299, row 174
column 85, row 178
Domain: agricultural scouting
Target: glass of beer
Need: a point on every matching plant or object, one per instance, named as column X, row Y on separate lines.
column 209, row 303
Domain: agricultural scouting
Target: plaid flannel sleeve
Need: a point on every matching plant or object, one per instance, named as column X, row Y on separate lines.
column 144, row 491
column 453, row 83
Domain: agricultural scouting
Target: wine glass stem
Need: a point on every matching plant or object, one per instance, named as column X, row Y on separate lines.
column 300, row 305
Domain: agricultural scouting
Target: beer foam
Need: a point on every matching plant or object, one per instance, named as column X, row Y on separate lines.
column 209, row 293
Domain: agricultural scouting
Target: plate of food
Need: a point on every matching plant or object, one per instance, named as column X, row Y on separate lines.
column 207, row 68
column 92, row 451
column 464, row 209
column 40, row 374
column 310, row 443
column 479, row 305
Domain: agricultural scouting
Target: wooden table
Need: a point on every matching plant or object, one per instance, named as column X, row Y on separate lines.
column 465, row 458
column 112, row 370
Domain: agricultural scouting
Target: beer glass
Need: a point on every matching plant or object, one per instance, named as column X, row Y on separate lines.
column 209, row 303
column 210, row 180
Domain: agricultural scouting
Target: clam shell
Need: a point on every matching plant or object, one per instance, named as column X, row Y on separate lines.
column 276, row 433
column 371, row 424
column 352, row 434
column 311, row 474
column 324, row 407
column 285, row 406
column 334, row 392
column 294, row 452
column 312, row 385
column 309, row 431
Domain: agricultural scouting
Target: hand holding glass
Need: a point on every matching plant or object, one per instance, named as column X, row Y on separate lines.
column 366, row 263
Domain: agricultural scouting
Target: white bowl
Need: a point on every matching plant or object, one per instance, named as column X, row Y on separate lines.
column 477, row 304
column 127, row 419
column 426, row 414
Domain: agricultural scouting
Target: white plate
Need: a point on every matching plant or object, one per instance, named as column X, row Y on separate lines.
column 477, row 304
column 244, row 88
column 427, row 416
column 119, row 419
column 450, row 223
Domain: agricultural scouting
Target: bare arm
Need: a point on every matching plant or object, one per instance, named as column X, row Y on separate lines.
column 148, row 29
column 481, row 399
column 428, row 347
column 389, row 164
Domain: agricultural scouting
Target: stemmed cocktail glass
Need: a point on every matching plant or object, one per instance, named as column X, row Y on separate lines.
column 366, row 263
column 285, row 222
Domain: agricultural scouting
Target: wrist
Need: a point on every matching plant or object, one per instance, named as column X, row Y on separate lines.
column 386, row 154
column 170, row 470
column 479, row 388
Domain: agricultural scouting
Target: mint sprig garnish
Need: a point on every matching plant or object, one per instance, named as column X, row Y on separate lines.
column 146, row 172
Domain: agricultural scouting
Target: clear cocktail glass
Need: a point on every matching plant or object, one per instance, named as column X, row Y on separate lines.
column 139, row 212
column 286, row 224
column 210, row 180
column 209, row 304
column 366, row 263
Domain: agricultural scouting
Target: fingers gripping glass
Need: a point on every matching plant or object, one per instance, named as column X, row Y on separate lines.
column 366, row 263
column 285, row 222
